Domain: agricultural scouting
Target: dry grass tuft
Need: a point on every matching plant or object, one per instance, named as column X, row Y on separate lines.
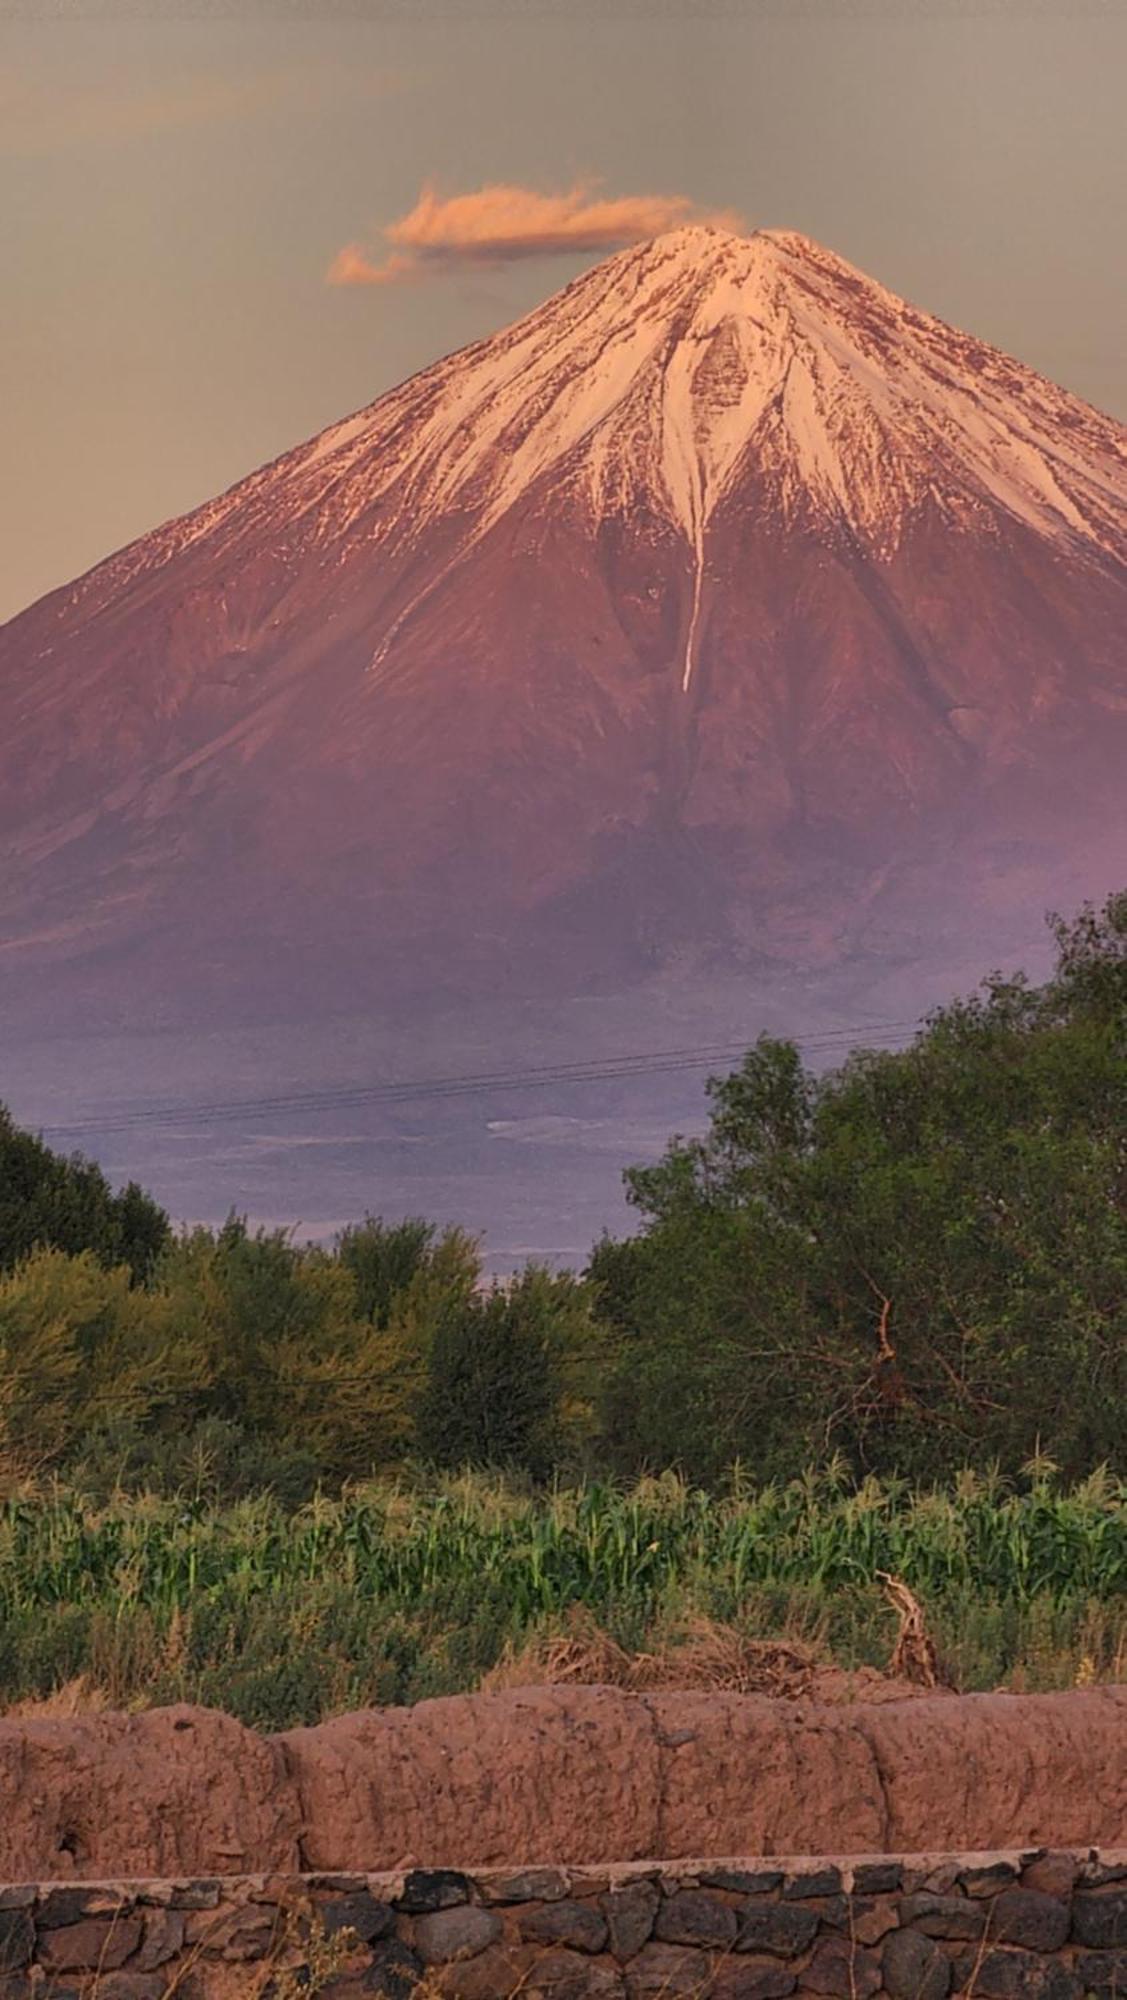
column 701, row 1654
column 706, row 1654
column 80, row 1696
column 581, row 1653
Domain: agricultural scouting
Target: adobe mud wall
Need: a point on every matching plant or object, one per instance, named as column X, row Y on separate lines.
column 559, row 1775
column 1037, row 1925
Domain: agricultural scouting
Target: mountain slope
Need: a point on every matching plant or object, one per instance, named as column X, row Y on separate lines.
column 725, row 608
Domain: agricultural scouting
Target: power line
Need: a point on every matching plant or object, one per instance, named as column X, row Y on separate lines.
column 653, row 1062
column 648, row 1063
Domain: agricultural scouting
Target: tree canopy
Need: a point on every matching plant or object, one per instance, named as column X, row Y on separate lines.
column 917, row 1261
column 51, row 1201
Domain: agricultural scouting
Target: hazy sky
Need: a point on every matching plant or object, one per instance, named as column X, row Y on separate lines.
column 174, row 190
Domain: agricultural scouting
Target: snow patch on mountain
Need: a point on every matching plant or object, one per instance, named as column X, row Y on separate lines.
column 673, row 374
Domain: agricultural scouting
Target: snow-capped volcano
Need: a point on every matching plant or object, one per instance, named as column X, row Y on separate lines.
column 702, row 610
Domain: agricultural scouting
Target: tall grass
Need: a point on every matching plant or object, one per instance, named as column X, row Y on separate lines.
column 389, row 1594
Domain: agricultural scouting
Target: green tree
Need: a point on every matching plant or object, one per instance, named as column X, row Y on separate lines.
column 280, row 1349
column 48, row 1201
column 504, row 1375
column 80, row 1348
column 384, row 1259
column 919, row 1260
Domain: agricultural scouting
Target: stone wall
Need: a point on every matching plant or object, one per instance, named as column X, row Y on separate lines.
column 1037, row 1925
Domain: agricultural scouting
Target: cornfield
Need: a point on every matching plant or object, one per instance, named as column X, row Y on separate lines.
column 391, row 1593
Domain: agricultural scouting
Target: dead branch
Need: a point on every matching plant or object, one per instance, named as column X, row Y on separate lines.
column 914, row 1657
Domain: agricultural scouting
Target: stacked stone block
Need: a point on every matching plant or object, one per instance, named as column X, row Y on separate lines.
column 1038, row 1925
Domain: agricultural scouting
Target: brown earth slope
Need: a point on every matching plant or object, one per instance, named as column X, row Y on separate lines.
column 560, row 1774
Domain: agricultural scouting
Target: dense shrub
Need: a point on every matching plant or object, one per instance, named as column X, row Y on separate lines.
column 496, row 1383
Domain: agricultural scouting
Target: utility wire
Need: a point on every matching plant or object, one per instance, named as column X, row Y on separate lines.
column 654, row 1062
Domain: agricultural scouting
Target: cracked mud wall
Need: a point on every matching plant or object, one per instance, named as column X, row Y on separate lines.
column 553, row 1774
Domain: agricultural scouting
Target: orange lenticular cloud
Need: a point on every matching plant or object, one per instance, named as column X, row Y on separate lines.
column 499, row 224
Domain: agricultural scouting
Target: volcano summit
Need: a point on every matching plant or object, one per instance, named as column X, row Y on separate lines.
column 726, row 611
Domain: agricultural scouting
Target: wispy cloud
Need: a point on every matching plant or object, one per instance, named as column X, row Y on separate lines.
column 500, row 224
column 41, row 114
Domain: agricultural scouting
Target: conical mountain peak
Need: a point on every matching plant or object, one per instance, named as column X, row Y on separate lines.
column 699, row 236
column 722, row 557
column 706, row 252
column 671, row 377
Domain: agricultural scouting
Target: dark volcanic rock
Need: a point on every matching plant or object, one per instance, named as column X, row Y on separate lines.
column 692, row 1916
column 780, row 1928
column 361, row 1913
column 96, row 1944
column 1099, row 1916
column 578, row 1926
column 1016, row 1975
column 943, row 1916
column 1027, row 1917
column 630, row 1913
column 17, row 1939
column 455, row 1933
column 675, row 1972
column 434, row 1889
column 1103, row 1974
